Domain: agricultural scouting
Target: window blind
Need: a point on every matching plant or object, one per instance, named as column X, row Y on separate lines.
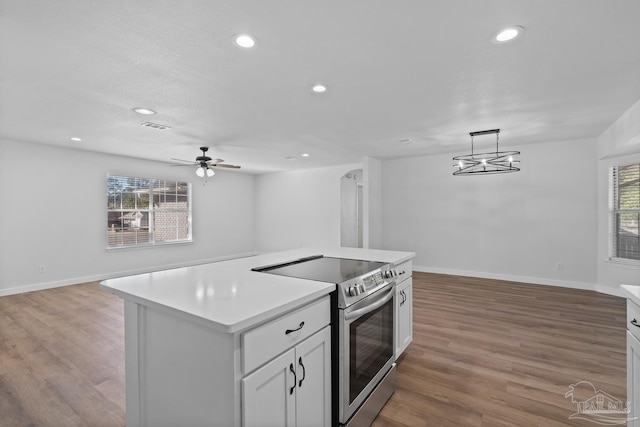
column 624, row 212
column 143, row 211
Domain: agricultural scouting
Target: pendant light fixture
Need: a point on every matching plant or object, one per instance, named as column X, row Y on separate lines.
column 486, row 163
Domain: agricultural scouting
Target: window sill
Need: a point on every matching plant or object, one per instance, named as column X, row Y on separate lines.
column 624, row 263
column 147, row 246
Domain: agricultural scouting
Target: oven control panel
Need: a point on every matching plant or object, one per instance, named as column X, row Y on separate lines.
column 357, row 289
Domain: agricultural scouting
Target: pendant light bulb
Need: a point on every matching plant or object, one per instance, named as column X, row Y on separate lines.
column 210, row 172
column 200, row 172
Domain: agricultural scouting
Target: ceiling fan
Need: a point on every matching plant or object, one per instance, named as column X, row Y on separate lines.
column 205, row 164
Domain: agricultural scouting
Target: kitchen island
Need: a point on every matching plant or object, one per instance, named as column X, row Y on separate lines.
column 197, row 339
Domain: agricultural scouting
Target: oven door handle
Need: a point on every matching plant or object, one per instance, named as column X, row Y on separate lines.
column 371, row 307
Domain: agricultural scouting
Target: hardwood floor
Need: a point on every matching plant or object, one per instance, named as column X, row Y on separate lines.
column 492, row 353
column 62, row 358
column 485, row 353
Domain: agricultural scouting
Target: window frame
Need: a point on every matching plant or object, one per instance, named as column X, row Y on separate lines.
column 152, row 209
column 615, row 211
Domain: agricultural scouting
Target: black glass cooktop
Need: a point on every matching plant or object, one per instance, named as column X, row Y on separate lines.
column 323, row 269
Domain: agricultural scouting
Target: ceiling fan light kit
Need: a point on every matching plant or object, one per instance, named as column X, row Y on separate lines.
column 205, row 164
column 486, row 163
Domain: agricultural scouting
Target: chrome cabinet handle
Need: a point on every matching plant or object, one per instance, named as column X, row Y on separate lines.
column 288, row 331
column 293, row 371
column 634, row 322
column 304, row 372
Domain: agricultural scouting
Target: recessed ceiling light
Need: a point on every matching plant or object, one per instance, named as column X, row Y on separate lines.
column 75, row 138
column 319, row 88
column 145, row 111
column 508, row 34
column 244, row 40
column 305, row 154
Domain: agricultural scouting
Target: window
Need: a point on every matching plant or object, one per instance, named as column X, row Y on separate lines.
column 624, row 210
column 143, row 212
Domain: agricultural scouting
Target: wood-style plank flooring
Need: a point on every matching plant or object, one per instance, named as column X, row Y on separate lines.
column 62, row 358
column 493, row 353
column 485, row 353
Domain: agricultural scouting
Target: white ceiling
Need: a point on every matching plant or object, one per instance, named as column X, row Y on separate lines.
column 412, row 69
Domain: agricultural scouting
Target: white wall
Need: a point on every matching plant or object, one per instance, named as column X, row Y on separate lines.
column 299, row 208
column 618, row 145
column 53, row 214
column 517, row 226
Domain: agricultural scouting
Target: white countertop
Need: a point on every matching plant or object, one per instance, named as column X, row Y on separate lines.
column 632, row 292
column 227, row 295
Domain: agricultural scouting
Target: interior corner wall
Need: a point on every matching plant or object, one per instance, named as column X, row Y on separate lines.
column 537, row 225
column 53, row 214
column 299, row 208
column 618, row 145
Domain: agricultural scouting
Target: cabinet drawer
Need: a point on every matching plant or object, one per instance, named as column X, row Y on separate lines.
column 404, row 271
column 263, row 343
column 633, row 319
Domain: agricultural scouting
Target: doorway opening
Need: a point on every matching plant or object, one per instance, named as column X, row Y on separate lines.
column 351, row 206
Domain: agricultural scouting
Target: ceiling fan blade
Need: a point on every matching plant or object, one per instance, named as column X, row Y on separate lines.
column 190, row 165
column 187, row 161
column 224, row 165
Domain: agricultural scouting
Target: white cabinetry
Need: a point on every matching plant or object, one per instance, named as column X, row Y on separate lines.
column 180, row 372
column 404, row 307
column 633, row 363
column 294, row 389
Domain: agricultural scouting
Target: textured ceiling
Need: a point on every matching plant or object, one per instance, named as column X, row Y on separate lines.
column 413, row 69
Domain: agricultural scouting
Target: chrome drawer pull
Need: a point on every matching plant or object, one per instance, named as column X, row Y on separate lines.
column 634, row 322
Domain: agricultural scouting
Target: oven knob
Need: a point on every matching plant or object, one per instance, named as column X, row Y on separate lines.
column 361, row 288
column 353, row 291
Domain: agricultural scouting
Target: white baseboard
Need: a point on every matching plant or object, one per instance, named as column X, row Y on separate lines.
column 105, row 276
column 523, row 279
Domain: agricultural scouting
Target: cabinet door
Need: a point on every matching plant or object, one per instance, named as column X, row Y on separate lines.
column 404, row 316
column 268, row 394
column 313, row 370
column 633, row 379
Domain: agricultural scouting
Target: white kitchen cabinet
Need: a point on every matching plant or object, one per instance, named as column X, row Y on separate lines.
column 633, row 363
column 404, row 307
column 633, row 379
column 294, row 389
column 404, row 316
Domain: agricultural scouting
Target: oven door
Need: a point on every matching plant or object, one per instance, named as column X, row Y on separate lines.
column 365, row 347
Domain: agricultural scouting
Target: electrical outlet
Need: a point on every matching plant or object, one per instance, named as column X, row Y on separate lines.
column 42, row 269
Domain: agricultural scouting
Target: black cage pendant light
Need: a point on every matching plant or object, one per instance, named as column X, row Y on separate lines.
column 486, row 163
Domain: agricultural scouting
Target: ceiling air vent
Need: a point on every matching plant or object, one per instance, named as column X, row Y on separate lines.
column 155, row 125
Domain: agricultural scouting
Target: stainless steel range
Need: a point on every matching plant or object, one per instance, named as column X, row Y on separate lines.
column 363, row 331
